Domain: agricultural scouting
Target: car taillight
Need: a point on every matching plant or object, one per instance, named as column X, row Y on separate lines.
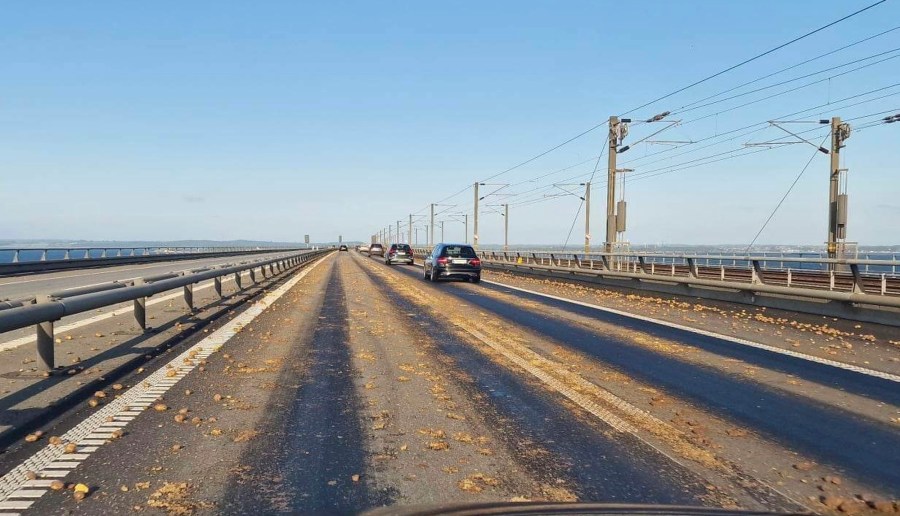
column 443, row 260
column 475, row 262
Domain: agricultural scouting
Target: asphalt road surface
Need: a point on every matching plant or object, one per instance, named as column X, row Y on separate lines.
column 354, row 385
column 15, row 287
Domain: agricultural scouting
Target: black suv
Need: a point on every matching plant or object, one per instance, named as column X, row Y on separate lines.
column 453, row 261
column 399, row 253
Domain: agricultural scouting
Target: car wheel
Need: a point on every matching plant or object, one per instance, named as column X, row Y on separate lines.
column 424, row 273
column 476, row 279
column 433, row 277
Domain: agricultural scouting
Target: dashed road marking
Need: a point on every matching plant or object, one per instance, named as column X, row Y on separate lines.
column 96, row 430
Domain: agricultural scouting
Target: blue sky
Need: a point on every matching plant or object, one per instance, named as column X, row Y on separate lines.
column 270, row 120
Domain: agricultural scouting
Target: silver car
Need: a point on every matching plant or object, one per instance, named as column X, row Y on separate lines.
column 376, row 250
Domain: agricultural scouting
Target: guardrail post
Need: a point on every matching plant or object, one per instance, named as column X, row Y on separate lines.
column 44, row 334
column 643, row 264
column 87, row 254
column 577, row 260
column 44, row 255
column 756, row 274
column 789, row 277
column 831, row 279
column 253, row 276
column 605, row 260
column 857, row 279
column 15, row 256
column 237, row 280
column 66, row 256
column 140, row 308
column 883, row 284
column 217, row 284
column 692, row 267
column 103, row 254
column 189, row 296
column 721, row 273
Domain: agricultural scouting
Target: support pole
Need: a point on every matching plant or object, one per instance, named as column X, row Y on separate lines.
column 431, row 233
column 466, row 222
column 409, row 239
column 611, row 185
column 140, row 308
column 475, row 224
column 44, row 337
column 189, row 296
column 587, row 217
column 506, row 227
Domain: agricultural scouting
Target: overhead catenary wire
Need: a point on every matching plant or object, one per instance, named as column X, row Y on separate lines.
column 694, row 163
column 705, row 79
column 797, row 65
column 754, row 58
column 833, row 105
column 785, row 92
column 801, row 77
column 785, row 196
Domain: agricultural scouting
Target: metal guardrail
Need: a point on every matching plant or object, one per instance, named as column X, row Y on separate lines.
column 42, row 311
column 77, row 258
column 42, row 254
column 851, row 285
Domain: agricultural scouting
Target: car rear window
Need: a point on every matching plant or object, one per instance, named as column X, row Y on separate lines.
column 459, row 251
column 401, row 247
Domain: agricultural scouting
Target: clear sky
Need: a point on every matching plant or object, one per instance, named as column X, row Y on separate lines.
column 270, row 120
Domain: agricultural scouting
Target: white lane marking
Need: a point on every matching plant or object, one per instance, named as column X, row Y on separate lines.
column 27, row 493
column 736, row 340
column 47, row 461
column 17, row 504
column 28, row 339
column 582, row 401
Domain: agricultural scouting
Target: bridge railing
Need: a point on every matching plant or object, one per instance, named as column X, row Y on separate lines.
column 821, row 278
column 836, row 275
column 42, row 254
column 24, row 260
column 41, row 311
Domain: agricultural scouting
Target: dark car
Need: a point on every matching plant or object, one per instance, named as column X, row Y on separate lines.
column 399, row 253
column 342, row 248
column 453, row 261
column 376, row 250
